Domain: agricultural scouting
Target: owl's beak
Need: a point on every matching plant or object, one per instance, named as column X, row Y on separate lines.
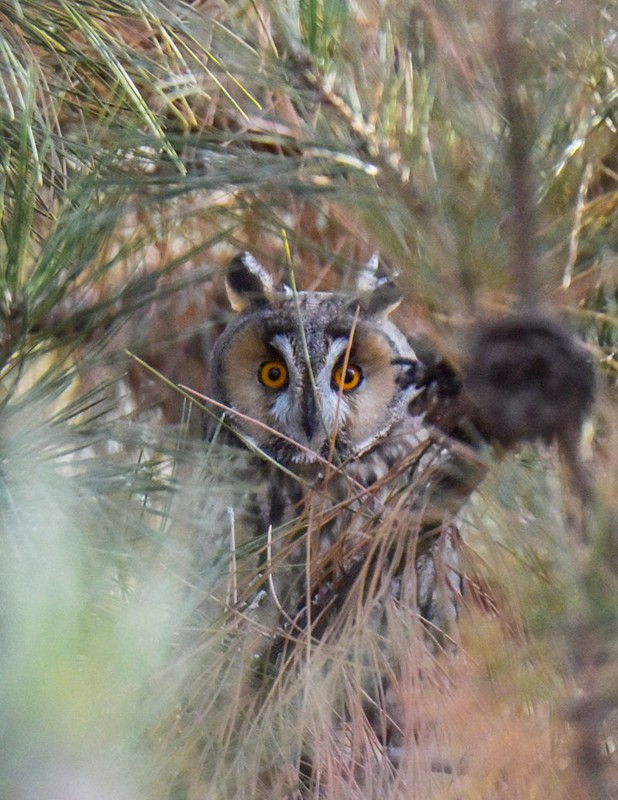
column 310, row 415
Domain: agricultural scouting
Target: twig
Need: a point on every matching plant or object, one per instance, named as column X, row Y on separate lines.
column 233, row 573
column 576, row 230
column 521, row 184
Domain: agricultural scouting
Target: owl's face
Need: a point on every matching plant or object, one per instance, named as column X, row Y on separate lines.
column 327, row 371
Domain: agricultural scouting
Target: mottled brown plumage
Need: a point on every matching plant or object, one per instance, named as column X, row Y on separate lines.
column 351, row 480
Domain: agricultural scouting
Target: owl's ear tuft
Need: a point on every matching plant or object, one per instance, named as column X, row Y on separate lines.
column 247, row 283
column 376, row 295
column 367, row 277
column 380, row 301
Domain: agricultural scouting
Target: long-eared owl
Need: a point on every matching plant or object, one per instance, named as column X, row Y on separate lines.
column 351, row 490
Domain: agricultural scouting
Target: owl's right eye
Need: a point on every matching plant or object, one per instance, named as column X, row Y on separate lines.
column 273, row 374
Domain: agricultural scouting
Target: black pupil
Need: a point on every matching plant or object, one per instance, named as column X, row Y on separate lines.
column 274, row 373
column 349, row 376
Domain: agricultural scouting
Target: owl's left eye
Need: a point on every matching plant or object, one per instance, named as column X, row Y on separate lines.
column 273, row 374
column 347, row 379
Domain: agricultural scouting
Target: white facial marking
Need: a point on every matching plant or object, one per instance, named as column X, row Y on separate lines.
column 334, row 405
column 283, row 407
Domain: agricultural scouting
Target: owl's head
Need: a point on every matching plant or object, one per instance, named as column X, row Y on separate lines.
column 329, row 371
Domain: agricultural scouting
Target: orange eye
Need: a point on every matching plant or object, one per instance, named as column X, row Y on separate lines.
column 348, row 380
column 273, row 374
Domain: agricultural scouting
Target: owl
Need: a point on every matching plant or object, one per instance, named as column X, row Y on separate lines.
column 356, row 455
column 352, row 488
